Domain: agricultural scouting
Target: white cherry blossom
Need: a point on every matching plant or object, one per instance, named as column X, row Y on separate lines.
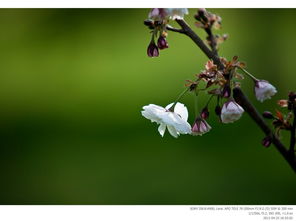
column 167, row 13
column 264, row 90
column 175, row 121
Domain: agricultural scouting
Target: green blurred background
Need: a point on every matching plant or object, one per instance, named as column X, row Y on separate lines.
column 72, row 85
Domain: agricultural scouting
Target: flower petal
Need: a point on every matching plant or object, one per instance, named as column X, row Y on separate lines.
column 173, row 131
column 181, row 109
column 161, row 129
column 173, row 119
column 169, row 106
column 152, row 112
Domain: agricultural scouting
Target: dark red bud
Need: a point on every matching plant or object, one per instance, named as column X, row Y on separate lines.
column 268, row 115
column 218, row 110
column 152, row 50
column 292, row 95
column 158, row 23
column 277, row 123
column 149, row 23
column 197, row 17
column 266, row 141
column 226, row 91
column 205, row 113
column 162, row 43
column 201, row 12
column 292, row 98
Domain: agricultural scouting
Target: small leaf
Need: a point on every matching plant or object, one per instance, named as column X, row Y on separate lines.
column 239, row 76
column 235, row 58
column 209, row 65
column 242, row 65
column 279, row 115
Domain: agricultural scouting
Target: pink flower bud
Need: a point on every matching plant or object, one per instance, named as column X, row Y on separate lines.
column 268, row 115
column 205, row 113
column 226, row 91
column 152, row 50
column 200, row 127
column 162, row 43
column 149, row 23
column 266, row 141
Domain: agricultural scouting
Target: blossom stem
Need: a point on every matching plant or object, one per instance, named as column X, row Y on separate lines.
column 249, row 74
column 209, row 100
column 179, row 97
column 196, row 104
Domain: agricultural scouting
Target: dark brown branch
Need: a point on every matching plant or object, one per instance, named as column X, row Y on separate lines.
column 197, row 40
column 242, row 100
column 293, row 131
column 239, row 95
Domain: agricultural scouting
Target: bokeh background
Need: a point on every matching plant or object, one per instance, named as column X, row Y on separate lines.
column 72, row 85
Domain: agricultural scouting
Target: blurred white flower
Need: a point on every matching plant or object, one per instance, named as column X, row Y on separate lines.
column 167, row 13
column 157, row 14
column 231, row 111
column 200, row 127
column 176, row 13
column 175, row 121
column 264, row 90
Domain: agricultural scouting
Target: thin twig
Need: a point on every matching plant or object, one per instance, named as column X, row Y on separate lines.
column 211, row 38
column 239, row 95
column 170, row 28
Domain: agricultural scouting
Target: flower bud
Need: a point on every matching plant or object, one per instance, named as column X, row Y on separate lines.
column 176, row 13
column 200, row 127
column 205, row 113
column 149, row 23
column 197, row 17
column 157, row 14
column 264, row 90
column 292, row 99
column 226, row 91
column 292, row 95
column 218, row 110
column 267, row 115
column 231, row 111
column 201, row 12
column 162, row 43
column 266, row 141
column 152, row 50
